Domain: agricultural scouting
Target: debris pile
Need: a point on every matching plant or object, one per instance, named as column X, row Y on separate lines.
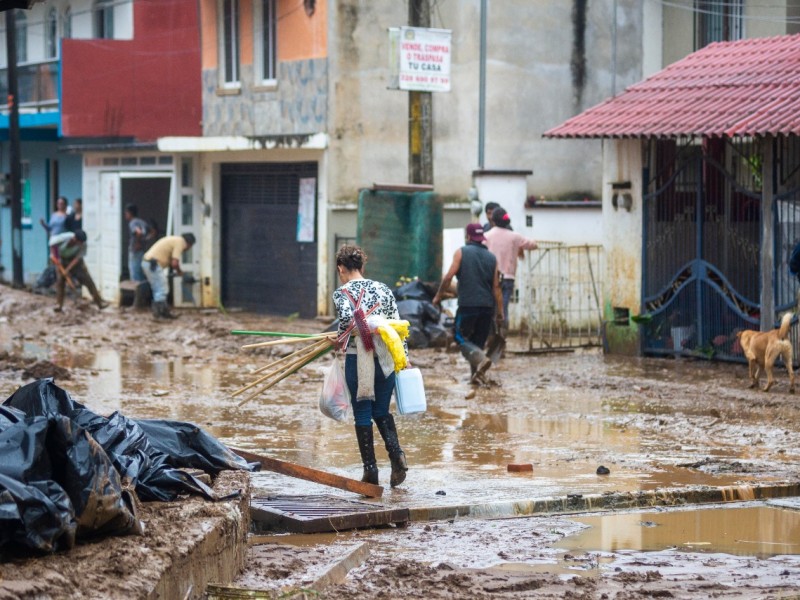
column 429, row 328
column 67, row 473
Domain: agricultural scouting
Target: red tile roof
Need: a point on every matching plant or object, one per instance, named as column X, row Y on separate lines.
column 744, row 88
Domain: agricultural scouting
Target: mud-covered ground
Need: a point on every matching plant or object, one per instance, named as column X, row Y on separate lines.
column 657, row 424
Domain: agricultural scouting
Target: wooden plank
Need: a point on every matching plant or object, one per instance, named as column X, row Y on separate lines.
column 337, row 572
column 270, row 518
column 315, row 475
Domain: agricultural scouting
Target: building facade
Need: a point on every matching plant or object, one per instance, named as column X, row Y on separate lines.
column 99, row 82
column 254, row 123
column 296, row 100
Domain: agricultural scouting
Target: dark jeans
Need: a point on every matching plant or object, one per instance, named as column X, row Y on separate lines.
column 473, row 324
column 367, row 410
column 507, row 287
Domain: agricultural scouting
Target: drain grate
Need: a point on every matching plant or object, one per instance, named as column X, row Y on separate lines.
column 317, row 514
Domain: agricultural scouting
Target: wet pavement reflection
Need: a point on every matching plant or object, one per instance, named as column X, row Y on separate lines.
column 760, row 531
column 458, row 450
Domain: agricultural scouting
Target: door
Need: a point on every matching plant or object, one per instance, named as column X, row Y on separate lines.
column 104, row 246
column 264, row 266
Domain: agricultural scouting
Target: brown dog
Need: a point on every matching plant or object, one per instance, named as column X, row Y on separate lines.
column 762, row 349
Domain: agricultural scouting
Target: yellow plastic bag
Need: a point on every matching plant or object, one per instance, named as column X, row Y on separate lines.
column 392, row 332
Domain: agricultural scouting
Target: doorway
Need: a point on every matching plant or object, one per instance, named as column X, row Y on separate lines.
column 151, row 197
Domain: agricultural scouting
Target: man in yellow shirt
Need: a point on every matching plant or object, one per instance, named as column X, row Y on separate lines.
column 164, row 254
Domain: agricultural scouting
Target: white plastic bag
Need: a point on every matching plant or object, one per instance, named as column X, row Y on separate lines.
column 334, row 401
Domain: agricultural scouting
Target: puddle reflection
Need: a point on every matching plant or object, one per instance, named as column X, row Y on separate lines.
column 462, row 450
column 758, row 531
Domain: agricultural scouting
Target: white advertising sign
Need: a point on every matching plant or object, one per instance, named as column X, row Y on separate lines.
column 306, row 218
column 424, row 59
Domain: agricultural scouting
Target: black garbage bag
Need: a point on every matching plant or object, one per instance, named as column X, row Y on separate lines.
column 187, row 445
column 41, row 398
column 437, row 334
column 35, row 516
column 62, row 468
column 137, row 460
column 414, row 290
column 84, row 470
column 9, row 416
column 417, row 337
column 53, row 459
column 125, row 443
column 418, row 311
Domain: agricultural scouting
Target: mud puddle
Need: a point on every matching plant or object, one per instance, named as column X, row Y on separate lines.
column 458, row 451
column 758, row 531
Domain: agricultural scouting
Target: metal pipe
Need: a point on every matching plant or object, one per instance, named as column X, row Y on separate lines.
column 614, row 52
column 482, row 90
column 15, row 166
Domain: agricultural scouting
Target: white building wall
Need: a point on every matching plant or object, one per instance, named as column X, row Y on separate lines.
column 622, row 228
column 571, row 224
column 530, row 88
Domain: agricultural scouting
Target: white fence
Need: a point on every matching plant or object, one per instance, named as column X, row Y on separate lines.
column 558, row 301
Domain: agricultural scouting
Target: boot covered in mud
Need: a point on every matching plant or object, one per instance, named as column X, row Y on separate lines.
column 163, row 311
column 366, row 445
column 479, row 363
column 388, row 432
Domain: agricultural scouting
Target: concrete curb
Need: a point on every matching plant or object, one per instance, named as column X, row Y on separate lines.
column 219, row 555
column 608, row 501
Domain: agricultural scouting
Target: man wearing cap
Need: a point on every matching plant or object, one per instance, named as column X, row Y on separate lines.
column 66, row 251
column 164, row 254
column 479, row 298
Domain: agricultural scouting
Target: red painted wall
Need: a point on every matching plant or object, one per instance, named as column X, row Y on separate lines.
column 144, row 88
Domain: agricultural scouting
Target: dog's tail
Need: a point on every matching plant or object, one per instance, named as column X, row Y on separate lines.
column 786, row 323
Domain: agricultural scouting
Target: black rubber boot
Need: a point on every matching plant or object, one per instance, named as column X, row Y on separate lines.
column 389, row 434
column 366, row 446
column 161, row 311
column 479, row 363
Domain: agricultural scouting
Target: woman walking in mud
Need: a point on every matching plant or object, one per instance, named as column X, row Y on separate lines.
column 370, row 387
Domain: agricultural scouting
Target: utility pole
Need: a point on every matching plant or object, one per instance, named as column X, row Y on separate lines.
column 14, row 149
column 420, row 111
column 482, row 90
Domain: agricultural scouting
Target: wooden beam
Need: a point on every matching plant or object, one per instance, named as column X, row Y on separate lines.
column 315, row 475
column 337, row 572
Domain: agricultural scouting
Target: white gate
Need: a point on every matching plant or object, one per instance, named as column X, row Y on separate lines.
column 559, row 296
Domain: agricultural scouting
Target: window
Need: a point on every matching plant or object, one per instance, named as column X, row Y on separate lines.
column 68, row 22
column 718, row 21
column 265, row 58
column 21, row 22
column 104, row 19
column 187, row 206
column 51, row 34
column 229, row 42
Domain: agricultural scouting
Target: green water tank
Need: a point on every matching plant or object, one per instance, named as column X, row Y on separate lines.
column 401, row 232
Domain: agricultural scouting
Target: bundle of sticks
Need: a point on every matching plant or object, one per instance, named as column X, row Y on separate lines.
column 278, row 370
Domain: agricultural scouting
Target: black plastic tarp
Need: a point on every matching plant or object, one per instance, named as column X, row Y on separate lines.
column 66, row 472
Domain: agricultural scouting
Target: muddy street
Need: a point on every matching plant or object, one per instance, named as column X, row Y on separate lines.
column 669, row 431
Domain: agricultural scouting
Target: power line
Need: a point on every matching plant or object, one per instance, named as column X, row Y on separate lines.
column 696, row 10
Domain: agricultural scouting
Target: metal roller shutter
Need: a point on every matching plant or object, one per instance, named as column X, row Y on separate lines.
column 264, row 267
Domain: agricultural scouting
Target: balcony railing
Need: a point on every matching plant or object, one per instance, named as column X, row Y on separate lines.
column 37, row 85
